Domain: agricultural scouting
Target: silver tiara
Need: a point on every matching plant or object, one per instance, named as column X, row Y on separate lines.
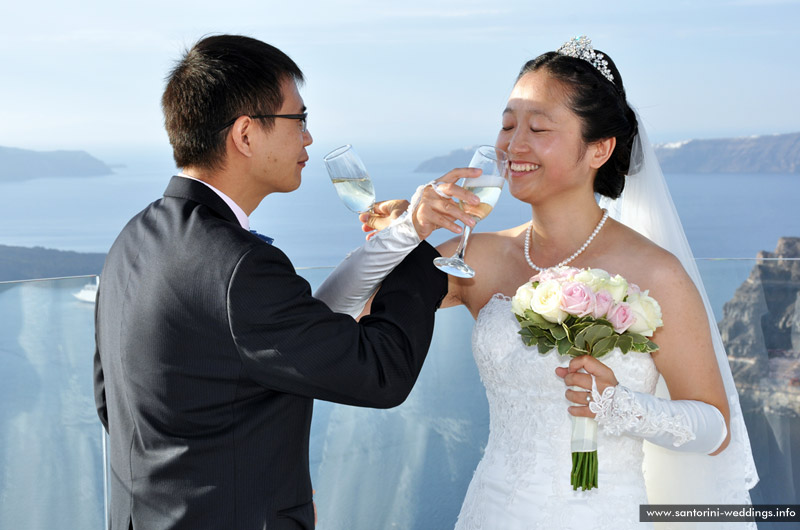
column 581, row 48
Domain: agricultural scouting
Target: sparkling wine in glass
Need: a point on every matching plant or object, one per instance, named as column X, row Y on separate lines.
column 494, row 163
column 350, row 179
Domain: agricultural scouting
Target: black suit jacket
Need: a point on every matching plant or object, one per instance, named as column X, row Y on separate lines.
column 210, row 351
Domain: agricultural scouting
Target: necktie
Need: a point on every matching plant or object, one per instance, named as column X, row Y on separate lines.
column 262, row 237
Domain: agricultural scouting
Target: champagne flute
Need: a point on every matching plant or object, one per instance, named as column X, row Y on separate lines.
column 350, row 179
column 494, row 163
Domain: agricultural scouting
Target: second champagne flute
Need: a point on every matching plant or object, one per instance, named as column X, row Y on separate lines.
column 350, row 179
column 494, row 163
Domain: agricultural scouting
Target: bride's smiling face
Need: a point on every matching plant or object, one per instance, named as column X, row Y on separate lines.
column 543, row 139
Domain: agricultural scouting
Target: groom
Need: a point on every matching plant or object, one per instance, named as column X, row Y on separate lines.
column 210, row 348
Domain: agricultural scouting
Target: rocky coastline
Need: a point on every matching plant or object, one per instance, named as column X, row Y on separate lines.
column 24, row 164
column 761, row 331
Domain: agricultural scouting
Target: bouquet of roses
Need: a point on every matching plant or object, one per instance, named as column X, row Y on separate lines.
column 585, row 312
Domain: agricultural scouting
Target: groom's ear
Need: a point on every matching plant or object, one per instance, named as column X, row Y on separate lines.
column 240, row 135
column 600, row 151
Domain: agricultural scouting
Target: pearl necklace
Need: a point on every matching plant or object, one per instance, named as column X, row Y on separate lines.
column 569, row 259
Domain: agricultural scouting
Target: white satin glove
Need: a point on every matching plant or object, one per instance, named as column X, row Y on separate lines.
column 681, row 425
column 348, row 288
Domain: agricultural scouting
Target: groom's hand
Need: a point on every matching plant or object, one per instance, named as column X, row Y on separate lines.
column 383, row 213
column 437, row 206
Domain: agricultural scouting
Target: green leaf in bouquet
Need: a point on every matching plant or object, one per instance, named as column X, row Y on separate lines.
column 603, row 346
column 528, row 338
column 636, row 338
column 533, row 329
column 559, row 333
column 538, row 319
column 652, row 346
column 624, row 343
column 570, row 333
column 539, row 332
column 592, row 334
column 574, row 329
column 580, row 338
column 576, row 352
column 545, row 345
column 564, row 346
column 603, row 322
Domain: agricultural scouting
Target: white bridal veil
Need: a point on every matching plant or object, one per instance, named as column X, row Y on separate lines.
column 675, row 477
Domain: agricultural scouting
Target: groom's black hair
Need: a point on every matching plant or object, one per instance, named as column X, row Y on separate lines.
column 602, row 108
column 219, row 79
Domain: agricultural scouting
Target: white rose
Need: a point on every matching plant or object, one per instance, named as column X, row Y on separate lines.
column 547, row 301
column 594, row 278
column 617, row 286
column 522, row 300
column 647, row 313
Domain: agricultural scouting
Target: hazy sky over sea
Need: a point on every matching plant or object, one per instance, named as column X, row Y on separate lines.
column 425, row 75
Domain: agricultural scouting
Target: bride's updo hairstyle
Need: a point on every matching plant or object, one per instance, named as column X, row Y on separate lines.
column 602, row 108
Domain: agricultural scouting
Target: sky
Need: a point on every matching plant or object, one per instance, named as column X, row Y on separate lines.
column 418, row 76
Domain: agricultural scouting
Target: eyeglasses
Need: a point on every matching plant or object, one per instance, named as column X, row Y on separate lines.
column 302, row 117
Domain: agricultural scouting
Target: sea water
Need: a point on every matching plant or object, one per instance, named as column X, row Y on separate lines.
column 731, row 215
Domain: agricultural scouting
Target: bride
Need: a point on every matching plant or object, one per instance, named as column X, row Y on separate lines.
column 570, row 134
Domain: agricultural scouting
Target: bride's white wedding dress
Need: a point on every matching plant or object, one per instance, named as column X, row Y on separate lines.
column 522, row 482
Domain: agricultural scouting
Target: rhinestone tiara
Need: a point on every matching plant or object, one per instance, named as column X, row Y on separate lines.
column 581, row 48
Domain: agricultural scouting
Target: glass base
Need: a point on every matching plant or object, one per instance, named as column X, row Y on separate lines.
column 454, row 267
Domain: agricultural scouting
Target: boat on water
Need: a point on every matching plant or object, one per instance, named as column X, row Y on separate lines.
column 89, row 292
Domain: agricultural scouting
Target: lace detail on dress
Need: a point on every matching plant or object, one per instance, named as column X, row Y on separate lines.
column 620, row 412
column 522, row 482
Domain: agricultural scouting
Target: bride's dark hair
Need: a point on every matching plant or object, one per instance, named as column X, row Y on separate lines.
column 602, row 107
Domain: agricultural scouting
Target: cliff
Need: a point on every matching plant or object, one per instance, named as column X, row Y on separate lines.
column 22, row 263
column 779, row 153
column 23, row 164
column 761, row 331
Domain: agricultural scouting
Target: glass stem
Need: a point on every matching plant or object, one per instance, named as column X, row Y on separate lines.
column 462, row 245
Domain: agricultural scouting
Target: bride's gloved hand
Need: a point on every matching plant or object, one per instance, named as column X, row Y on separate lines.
column 681, row 425
column 590, row 368
column 393, row 234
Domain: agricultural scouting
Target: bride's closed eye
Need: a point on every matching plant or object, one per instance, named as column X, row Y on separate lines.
column 507, row 126
column 537, row 127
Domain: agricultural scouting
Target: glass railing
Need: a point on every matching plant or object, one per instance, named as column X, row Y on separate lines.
column 51, row 444
column 407, row 467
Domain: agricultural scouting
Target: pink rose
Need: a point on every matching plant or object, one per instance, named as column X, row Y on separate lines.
column 559, row 274
column 567, row 273
column 577, row 299
column 621, row 317
column 633, row 289
column 603, row 301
